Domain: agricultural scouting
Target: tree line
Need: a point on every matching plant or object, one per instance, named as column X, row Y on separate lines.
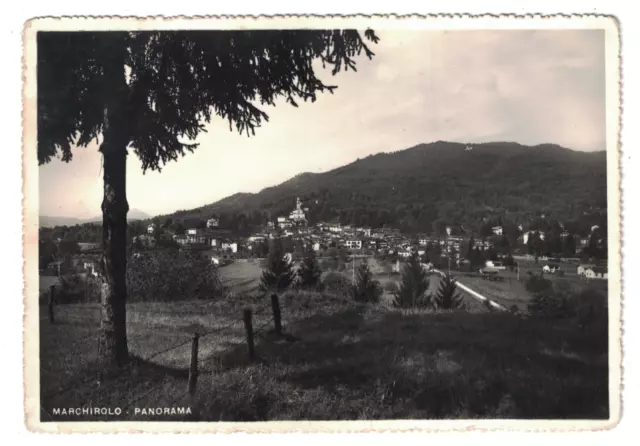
column 280, row 274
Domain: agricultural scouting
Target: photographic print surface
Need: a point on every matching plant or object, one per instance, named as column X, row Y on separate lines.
column 315, row 223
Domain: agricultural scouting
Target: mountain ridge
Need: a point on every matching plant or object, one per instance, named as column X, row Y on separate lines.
column 441, row 181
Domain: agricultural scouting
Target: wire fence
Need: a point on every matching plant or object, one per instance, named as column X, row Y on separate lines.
column 94, row 382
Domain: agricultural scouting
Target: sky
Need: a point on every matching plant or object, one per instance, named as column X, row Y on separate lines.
column 531, row 87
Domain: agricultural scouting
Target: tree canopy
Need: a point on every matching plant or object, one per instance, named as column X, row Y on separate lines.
column 178, row 80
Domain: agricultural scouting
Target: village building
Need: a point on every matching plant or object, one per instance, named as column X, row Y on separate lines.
column 229, row 246
column 497, row 230
column 597, row 272
column 213, row 223
column 297, row 216
column 366, row 232
column 526, row 235
column 583, row 268
column 354, row 244
column 495, row 264
column 151, row 228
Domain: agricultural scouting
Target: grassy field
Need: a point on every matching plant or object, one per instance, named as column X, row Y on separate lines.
column 340, row 360
column 343, row 361
column 242, row 277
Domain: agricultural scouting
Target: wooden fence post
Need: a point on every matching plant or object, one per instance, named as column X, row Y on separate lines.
column 275, row 305
column 52, row 291
column 248, row 325
column 193, row 369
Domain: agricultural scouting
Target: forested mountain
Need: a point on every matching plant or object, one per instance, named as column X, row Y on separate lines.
column 433, row 184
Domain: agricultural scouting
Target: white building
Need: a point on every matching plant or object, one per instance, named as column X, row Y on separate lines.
column 526, row 235
column 353, row 244
column 284, row 222
column 494, row 264
column 213, row 223
column 448, row 229
column 497, row 230
column 316, row 246
column 335, row 228
column 151, row 228
column 298, row 216
column 596, row 273
column 583, row 268
column 231, row 246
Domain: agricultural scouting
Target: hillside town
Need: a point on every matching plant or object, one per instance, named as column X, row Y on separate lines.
column 457, row 247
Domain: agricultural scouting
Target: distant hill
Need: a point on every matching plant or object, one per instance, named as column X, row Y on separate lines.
column 50, row 222
column 440, row 181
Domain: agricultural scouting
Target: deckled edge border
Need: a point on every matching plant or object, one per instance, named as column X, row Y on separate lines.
column 32, row 421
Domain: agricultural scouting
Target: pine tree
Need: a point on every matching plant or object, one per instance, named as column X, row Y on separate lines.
column 279, row 273
column 365, row 288
column 447, row 296
column 177, row 81
column 414, row 285
column 309, row 271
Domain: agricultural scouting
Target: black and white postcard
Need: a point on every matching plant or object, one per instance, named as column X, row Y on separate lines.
column 321, row 224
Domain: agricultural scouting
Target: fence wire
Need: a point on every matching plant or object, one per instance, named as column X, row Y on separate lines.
column 74, row 316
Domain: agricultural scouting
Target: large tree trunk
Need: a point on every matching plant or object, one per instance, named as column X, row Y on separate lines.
column 113, row 349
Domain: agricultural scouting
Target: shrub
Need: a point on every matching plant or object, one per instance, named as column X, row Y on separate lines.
column 71, row 289
column 365, row 288
column 413, row 286
column 279, row 273
column 552, row 302
column 168, row 276
column 590, row 309
column 391, row 287
column 309, row 272
column 337, row 284
column 447, row 296
column 537, row 284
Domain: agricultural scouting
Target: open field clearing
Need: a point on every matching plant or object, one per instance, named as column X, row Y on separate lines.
column 241, row 277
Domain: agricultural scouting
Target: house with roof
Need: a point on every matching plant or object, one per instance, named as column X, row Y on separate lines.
column 597, row 272
column 497, row 230
column 584, row 267
column 229, row 246
column 353, row 244
column 550, row 268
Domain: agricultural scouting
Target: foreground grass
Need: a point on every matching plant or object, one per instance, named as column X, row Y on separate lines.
column 342, row 361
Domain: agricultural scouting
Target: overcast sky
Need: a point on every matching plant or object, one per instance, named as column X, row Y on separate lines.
column 468, row 86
